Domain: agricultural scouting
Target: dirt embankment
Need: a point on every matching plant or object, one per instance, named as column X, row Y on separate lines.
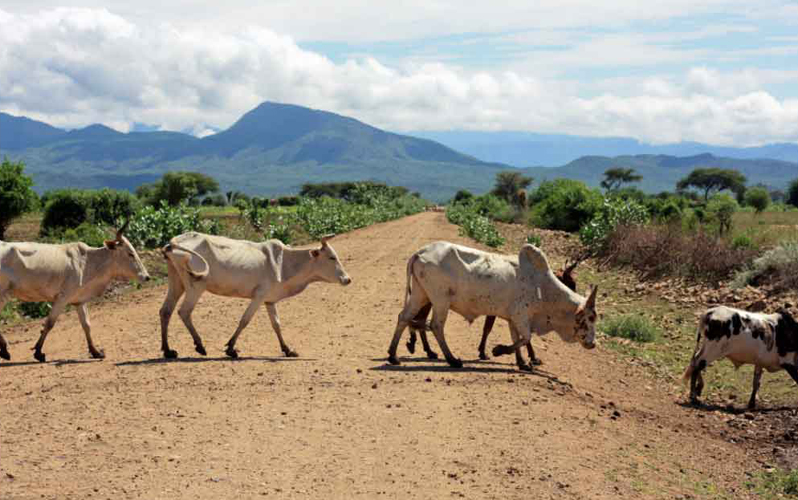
column 338, row 422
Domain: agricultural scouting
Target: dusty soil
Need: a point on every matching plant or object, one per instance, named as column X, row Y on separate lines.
column 338, row 422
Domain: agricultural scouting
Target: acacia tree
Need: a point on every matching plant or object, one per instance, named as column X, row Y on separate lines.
column 711, row 180
column 16, row 195
column 177, row 187
column 616, row 177
column 509, row 183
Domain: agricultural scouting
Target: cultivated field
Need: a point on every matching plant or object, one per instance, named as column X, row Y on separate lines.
column 338, row 422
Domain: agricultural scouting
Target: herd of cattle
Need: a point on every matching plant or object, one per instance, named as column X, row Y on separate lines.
column 441, row 277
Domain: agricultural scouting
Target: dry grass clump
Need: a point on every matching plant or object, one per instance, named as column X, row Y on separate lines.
column 657, row 251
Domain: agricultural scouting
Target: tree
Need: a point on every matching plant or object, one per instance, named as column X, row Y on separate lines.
column 792, row 193
column 721, row 208
column 16, row 195
column 509, row 183
column 712, row 180
column 177, row 187
column 757, row 197
column 616, row 177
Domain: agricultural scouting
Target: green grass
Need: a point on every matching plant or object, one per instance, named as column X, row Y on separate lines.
column 765, row 229
column 631, row 326
column 774, row 484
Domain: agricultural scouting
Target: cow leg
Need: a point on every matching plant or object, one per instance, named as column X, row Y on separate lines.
column 83, row 315
column 697, row 381
column 419, row 323
column 533, row 360
column 193, row 294
column 519, row 358
column 418, row 299
column 757, row 379
column 430, row 353
column 521, row 335
column 486, row 329
column 275, row 319
column 49, row 323
column 176, row 291
column 244, row 321
column 439, row 315
column 3, row 346
column 792, row 370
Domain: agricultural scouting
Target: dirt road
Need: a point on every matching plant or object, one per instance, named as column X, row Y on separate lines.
column 338, row 422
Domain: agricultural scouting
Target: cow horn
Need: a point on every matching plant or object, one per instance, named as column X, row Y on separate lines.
column 591, row 301
column 122, row 230
column 325, row 238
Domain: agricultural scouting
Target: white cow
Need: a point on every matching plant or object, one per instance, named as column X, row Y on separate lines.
column 768, row 341
column 265, row 272
column 72, row 273
column 523, row 290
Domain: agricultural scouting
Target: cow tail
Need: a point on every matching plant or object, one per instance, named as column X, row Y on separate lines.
column 698, row 352
column 197, row 275
column 408, row 290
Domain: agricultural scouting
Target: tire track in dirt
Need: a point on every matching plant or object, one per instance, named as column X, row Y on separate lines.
column 337, row 422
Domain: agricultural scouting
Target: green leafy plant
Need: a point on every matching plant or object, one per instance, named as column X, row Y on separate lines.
column 473, row 224
column 534, row 239
column 631, row 326
column 153, row 227
column 613, row 213
column 34, row 309
column 16, row 193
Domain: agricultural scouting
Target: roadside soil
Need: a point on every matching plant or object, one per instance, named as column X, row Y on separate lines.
column 338, row 422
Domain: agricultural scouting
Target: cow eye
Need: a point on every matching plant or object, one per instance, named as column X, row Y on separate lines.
column 332, row 258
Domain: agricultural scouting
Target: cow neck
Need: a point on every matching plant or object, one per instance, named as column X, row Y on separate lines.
column 99, row 265
column 295, row 270
column 563, row 295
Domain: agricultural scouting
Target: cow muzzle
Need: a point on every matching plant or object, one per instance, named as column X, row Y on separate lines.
column 346, row 280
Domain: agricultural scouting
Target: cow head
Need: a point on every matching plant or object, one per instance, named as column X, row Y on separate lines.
column 127, row 263
column 585, row 319
column 326, row 265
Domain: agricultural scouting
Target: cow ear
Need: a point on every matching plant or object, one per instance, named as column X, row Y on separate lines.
column 111, row 244
column 315, row 253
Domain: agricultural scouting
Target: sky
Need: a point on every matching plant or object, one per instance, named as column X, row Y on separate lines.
column 715, row 71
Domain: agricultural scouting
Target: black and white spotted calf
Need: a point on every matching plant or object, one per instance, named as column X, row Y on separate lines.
column 767, row 341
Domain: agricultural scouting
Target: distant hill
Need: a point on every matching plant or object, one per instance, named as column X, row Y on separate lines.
column 662, row 172
column 272, row 149
column 275, row 148
column 524, row 149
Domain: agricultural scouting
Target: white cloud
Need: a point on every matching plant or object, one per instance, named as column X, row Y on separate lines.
column 73, row 67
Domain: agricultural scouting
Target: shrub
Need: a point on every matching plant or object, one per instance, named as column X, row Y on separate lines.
column 613, row 212
column 462, row 195
column 758, row 198
column 778, row 265
column 288, row 201
column 743, row 241
column 153, row 227
column 16, row 195
column 65, row 209
column 721, row 208
column 177, row 187
column 90, row 234
column 111, row 207
column 473, row 224
column 631, row 326
column 564, row 204
column 657, row 250
column 34, row 309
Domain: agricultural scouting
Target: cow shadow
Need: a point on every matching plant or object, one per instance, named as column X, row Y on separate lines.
column 214, row 359
column 54, row 362
column 733, row 410
column 469, row 366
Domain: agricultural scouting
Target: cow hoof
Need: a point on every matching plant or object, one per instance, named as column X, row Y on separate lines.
column 483, row 356
column 200, row 349
column 5, row 355
column 432, row 355
column 455, row 363
column 231, row 352
column 525, row 368
column 411, row 347
column 39, row 355
column 170, row 354
column 501, row 350
column 97, row 354
column 752, row 405
column 392, row 360
column 536, row 362
column 291, row 354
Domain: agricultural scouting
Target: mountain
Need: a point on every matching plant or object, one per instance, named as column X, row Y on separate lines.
column 523, row 149
column 275, row 148
column 662, row 172
column 272, row 149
